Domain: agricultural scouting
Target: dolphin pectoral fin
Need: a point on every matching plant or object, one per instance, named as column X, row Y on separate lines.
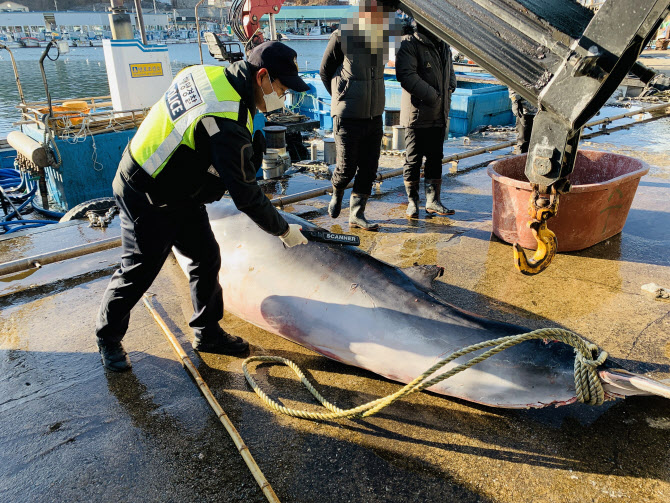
column 624, row 383
column 423, row 275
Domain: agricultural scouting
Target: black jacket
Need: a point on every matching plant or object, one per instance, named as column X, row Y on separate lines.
column 220, row 162
column 355, row 80
column 427, row 77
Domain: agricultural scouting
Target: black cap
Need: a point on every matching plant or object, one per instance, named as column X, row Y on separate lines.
column 281, row 62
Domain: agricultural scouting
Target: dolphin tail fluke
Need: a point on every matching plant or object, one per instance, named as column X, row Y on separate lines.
column 624, row 383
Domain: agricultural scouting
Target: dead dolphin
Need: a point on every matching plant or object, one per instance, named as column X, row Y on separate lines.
column 353, row 308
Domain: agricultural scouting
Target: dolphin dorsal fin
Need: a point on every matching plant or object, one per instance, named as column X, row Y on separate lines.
column 423, row 275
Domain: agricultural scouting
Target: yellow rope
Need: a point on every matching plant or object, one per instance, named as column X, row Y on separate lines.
column 587, row 382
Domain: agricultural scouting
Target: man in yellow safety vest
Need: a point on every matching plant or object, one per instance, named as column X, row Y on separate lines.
column 193, row 146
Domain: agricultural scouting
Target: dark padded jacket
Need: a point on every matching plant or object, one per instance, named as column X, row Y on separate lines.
column 427, row 77
column 354, row 80
column 220, row 162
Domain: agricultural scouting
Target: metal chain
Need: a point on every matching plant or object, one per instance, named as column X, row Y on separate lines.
column 659, row 97
column 102, row 221
column 26, row 165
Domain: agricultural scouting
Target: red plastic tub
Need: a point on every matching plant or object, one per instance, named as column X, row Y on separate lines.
column 603, row 187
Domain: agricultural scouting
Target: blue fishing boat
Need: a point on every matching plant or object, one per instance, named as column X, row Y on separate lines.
column 479, row 100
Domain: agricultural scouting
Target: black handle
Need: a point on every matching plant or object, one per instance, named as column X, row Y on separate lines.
column 332, row 238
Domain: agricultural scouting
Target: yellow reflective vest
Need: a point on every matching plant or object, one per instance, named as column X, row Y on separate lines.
column 195, row 92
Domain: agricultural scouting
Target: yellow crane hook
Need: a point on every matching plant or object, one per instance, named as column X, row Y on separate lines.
column 540, row 210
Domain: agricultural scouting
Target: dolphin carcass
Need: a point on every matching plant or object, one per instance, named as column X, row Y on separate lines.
column 348, row 306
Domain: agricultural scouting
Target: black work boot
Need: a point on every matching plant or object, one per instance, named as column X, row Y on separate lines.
column 412, row 189
column 357, row 213
column 335, row 203
column 220, row 342
column 433, row 204
column 114, row 357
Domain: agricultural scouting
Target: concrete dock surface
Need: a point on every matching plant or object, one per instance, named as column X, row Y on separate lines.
column 658, row 60
column 69, row 431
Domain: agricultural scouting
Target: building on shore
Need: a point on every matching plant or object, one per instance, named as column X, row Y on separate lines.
column 13, row 7
column 302, row 18
column 19, row 24
column 292, row 19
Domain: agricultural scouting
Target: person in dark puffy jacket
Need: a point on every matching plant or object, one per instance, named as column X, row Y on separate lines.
column 426, row 74
column 352, row 70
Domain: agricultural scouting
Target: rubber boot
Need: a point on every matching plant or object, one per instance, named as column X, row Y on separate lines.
column 433, row 203
column 220, row 342
column 335, row 203
column 412, row 189
column 114, row 357
column 357, row 213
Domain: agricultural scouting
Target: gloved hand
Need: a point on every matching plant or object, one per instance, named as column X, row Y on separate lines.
column 293, row 236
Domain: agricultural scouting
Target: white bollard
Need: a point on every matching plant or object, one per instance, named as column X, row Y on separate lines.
column 329, row 151
column 398, row 138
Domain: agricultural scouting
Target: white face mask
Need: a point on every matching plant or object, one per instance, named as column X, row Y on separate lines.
column 273, row 101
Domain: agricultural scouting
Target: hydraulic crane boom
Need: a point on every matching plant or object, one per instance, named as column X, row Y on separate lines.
column 245, row 16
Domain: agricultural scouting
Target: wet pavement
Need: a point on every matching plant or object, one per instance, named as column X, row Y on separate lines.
column 71, row 432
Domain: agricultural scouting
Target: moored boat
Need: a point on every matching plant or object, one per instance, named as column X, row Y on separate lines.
column 29, row 42
column 315, row 33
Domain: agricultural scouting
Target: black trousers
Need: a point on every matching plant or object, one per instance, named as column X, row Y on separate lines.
column 358, row 143
column 148, row 234
column 423, row 142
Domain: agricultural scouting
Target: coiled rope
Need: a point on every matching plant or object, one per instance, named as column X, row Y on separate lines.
column 588, row 387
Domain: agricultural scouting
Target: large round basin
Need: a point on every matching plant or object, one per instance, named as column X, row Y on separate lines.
column 603, row 187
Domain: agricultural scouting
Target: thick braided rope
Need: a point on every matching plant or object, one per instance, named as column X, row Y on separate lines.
column 587, row 382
